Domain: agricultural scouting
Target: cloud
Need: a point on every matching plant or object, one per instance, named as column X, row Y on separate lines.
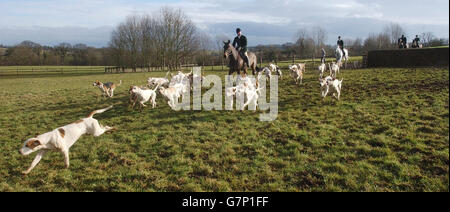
column 264, row 21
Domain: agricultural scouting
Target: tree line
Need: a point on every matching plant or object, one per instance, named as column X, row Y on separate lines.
column 169, row 39
column 29, row 53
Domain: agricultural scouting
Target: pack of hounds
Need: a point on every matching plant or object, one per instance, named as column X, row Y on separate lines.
column 62, row 138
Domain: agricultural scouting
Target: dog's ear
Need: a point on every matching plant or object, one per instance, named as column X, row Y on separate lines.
column 33, row 143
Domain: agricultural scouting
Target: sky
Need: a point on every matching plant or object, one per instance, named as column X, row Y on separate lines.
column 50, row 22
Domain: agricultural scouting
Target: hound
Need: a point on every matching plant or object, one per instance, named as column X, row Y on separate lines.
column 107, row 88
column 331, row 84
column 179, row 78
column 144, row 96
column 297, row 73
column 62, row 138
column 133, row 97
column 322, row 69
column 191, row 78
column 152, row 81
column 173, row 93
column 252, row 97
column 302, row 66
column 244, row 88
column 275, row 69
column 266, row 71
column 334, row 69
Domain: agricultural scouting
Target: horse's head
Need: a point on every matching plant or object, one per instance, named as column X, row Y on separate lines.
column 227, row 49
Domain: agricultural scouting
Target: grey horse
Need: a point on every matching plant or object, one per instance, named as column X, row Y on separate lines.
column 236, row 61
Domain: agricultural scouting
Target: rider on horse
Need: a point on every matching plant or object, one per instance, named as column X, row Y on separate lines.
column 416, row 42
column 240, row 43
column 340, row 43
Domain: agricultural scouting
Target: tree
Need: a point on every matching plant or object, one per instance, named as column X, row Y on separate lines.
column 205, row 44
column 426, row 38
column 178, row 35
column 319, row 36
column 80, row 56
column 62, row 50
column 302, row 37
column 393, row 32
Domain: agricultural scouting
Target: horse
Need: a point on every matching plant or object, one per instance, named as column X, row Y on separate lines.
column 237, row 63
column 339, row 55
column 415, row 45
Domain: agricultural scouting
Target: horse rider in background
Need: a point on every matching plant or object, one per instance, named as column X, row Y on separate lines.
column 340, row 43
column 240, row 43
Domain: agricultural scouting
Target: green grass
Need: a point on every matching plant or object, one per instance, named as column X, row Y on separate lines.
column 389, row 132
column 438, row 47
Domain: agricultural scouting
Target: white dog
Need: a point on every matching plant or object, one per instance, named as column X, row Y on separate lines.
column 252, row 97
column 322, row 69
column 62, row 138
column 297, row 72
column 180, row 78
column 152, row 81
column 265, row 71
column 144, row 96
column 173, row 93
column 191, row 76
column 334, row 69
column 328, row 84
column 276, row 69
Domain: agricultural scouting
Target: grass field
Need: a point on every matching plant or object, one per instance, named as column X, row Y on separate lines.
column 389, row 132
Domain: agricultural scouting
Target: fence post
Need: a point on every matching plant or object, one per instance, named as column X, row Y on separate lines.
column 314, row 62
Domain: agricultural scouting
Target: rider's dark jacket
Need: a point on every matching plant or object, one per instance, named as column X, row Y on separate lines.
column 340, row 43
column 240, row 42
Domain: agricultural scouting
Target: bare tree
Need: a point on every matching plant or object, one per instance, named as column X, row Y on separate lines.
column 62, row 51
column 205, row 44
column 148, row 27
column 178, row 35
column 117, row 47
column 393, row 31
column 319, row 35
column 426, row 38
column 301, row 40
column 219, row 45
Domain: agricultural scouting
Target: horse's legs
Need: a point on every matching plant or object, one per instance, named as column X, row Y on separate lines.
column 230, row 73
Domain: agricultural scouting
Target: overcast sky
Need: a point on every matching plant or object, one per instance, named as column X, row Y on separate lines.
column 50, row 22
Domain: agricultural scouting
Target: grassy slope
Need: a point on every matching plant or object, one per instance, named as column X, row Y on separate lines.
column 389, row 132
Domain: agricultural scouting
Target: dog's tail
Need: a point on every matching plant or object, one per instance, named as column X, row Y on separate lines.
column 99, row 111
column 157, row 86
column 167, row 74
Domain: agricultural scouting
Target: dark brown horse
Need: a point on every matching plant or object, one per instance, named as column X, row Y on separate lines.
column 237, row 64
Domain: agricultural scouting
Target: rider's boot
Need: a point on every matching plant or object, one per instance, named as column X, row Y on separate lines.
column 246, row 62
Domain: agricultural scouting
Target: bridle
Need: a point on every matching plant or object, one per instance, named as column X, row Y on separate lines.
column 227, row 53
